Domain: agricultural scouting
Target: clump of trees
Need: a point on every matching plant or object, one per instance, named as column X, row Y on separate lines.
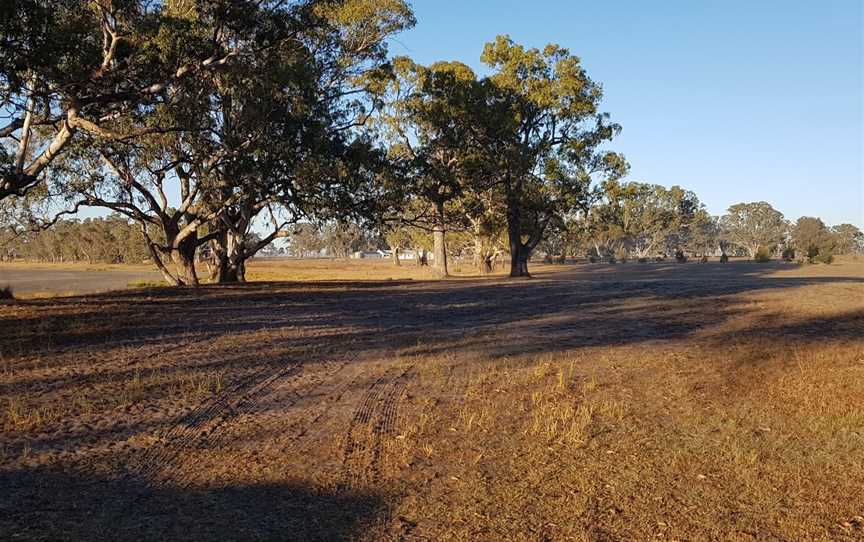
column 197, row 120
column 219, row 127
column 332, row 240
column 112, row 239
column 644, row 221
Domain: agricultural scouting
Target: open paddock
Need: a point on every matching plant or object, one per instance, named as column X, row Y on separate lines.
column 593, row 402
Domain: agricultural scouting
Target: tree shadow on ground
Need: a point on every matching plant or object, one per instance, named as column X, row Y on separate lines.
column 585, row 307
column 40, row 504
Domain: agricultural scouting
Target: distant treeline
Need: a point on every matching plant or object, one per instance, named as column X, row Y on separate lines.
column 112, row 239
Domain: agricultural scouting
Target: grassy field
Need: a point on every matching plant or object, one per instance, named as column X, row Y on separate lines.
column 345, row 401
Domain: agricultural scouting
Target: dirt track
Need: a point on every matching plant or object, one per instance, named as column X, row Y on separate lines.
column 298, row 411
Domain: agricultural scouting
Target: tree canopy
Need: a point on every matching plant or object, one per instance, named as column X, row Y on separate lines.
column 215, row 127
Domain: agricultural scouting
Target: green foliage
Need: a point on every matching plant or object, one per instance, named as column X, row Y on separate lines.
column 848, row 239
column 815, row 240
column 6, row 293
column 112, row 239
column 823, row 257
column 754, row 226
column 763, row 255
column 544, row 135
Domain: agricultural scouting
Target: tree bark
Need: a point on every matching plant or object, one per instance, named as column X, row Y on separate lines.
column 486, row 265
column 482, row 257
column 396, row 261
column 420, row 257
column 183, row 258
column 439, row 253
column 439, row 248
column 519, row 253
column 231, row 255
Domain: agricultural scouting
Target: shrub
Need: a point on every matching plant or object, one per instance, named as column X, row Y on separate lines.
column 821, row 254
column 824, row 257
column 660, row 259
column 680, row 257
column 762, row 255
column 724, row 258
column 6, row 293
column 788, row 254
column 612, row 260
column 592, row 259
column 642, row 260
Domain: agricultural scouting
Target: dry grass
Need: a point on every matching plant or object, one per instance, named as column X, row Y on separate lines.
column 348, row 270
column 594, row 403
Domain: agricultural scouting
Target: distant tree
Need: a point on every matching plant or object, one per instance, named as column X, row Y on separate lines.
column 647, row 219
column 848, row 239
column 813, row 239
column 112, row 239
column 487, row 224
column 753, row 226
column 398, row 240
column 305, row 240
column 429, row 119
column 341, row 239
column 603, row 227
column 705, row 234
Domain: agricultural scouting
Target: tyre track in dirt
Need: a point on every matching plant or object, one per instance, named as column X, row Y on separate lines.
column 206, row 419
column 373, row 422
column 220, row 422
column 287, row 393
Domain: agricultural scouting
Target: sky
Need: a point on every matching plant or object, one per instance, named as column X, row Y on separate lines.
column 737, row 100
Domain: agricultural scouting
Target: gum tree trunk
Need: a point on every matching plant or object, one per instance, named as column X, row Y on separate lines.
column 231, row 254
column 518, row 253
column 439, row 249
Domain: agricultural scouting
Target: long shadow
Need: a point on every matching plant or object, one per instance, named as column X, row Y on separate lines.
column 841, row 327
column 587, row 307
column 41, row 504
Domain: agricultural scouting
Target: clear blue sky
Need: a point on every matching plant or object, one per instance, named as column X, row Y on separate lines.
column 737, row 101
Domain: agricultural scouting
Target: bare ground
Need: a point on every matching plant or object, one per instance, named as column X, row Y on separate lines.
column 35, row 280
column 671, row 402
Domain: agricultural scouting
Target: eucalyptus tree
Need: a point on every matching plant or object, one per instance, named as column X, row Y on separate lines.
column 544, row 133
column 754, row 226
column 653, row 218
column 273, row 137
column 811, row 237
column 849, row 239
column 704, row 235
column 429, row 119
column 486, row 215
column 105, row 69
column 291, row 123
